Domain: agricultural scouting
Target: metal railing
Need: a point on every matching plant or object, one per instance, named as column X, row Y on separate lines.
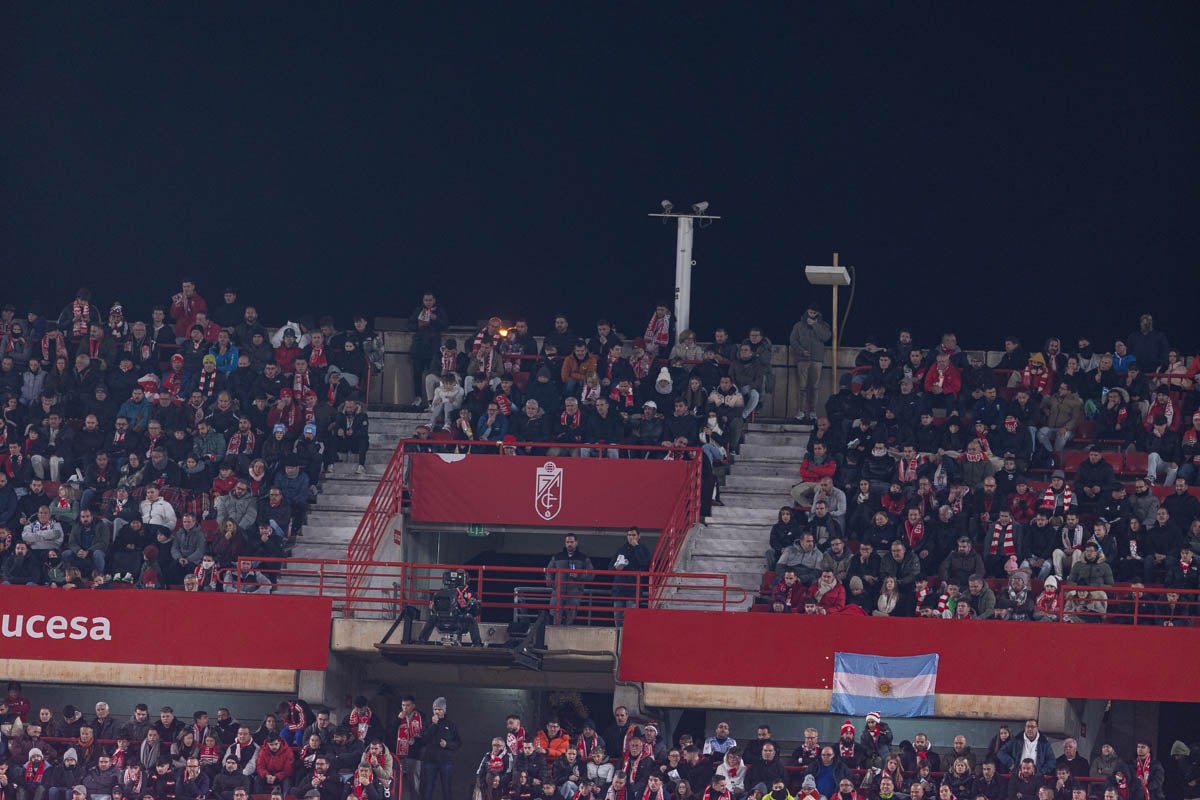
column 1127, row 604
column 380, row 589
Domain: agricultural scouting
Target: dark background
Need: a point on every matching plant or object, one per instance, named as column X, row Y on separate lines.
column 1027, row 168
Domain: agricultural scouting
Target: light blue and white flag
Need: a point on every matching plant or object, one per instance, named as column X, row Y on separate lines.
column 895, row 687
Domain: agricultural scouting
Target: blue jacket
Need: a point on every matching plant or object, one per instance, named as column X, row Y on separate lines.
column 498, row 431
column 138, row 414
column 294, row 490
column 228, row 361
column 1010, row 754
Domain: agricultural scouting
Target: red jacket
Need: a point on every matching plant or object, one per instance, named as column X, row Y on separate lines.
column 812, row 472
column 277, row 764
column 951, row 379
column 832, row 601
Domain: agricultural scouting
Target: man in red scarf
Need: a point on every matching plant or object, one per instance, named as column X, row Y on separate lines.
column 1148, row 772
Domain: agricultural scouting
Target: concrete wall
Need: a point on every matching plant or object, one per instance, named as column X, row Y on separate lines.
column 249, row 707
column 87, row 673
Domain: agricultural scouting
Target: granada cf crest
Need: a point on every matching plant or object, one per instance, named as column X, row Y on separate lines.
column 547, row 499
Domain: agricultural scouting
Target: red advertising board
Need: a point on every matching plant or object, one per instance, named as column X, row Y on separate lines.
column 539, row 491
column 1024, row 659
column 164, row 627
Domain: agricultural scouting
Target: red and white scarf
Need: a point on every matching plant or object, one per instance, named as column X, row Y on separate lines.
column 658, row 333
column 81, row 317
column 449, row 360
column 915, row 533
column 515, row 740
column 34, row 774
column 1001, row 542
column 360, row 722
column 1143, row 770
column 1050, row 500
column 906, row 470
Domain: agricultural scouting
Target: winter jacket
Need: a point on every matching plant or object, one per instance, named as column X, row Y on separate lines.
column 807, row 342
column 1010, row 754
column 1091, row 573
column 242, row 510
column 280, row 764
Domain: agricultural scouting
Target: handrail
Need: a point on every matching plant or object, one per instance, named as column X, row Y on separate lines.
column 398, row 583
column 1136, row 605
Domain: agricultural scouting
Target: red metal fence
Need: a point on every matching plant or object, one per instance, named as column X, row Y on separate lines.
column 382, row 589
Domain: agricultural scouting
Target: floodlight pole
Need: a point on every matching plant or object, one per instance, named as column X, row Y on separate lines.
column 685, row 228
column 834, row 277
column 835, row 329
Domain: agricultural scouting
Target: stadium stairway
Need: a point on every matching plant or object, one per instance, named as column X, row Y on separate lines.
column 734, row 538
column 344, row 494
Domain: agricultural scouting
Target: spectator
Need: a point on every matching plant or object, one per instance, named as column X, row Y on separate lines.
column 571, row 575
column 439, row 743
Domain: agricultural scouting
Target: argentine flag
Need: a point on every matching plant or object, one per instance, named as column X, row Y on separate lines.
column 895, row 687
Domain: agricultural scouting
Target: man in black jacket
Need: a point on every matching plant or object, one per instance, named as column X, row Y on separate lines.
column 439, row 742
column 603, row 426
column 531, row 425
column 681, row 424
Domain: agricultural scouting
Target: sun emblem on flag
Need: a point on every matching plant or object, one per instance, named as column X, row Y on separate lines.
column 884, row 687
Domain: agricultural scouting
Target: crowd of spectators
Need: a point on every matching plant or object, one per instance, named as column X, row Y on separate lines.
column 627, row 761
column 171, row 445
column 581, row 391
column 297, row 751
column 930, row 474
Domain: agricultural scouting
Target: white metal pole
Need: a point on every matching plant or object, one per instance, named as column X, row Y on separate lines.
column 683, row 275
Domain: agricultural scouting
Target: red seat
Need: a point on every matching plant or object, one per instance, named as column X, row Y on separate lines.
column 51, row 487
column 1135, row 464
column 1085, row 431
column 764, row 586
column 1162, row 492
column 1072, row 459
column 210, row 529
column 1116, row 459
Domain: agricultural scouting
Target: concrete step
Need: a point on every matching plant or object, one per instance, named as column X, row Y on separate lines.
column 767, row 500
column 341, row 503
column 764, row 467
column 718, row 546
column 759, row 484
column 779, row 427
column 775, row 438
column 745, row 516
column 792, row 454
column 350, row 485
column 318, row 550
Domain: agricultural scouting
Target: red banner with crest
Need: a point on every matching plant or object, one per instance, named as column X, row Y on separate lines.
column 546, row 491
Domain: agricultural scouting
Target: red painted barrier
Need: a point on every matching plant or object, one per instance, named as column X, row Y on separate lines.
column 977, row 657
column 173, row 627
column 540, row 490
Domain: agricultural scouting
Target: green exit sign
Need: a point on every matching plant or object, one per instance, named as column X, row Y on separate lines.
column 477, row 530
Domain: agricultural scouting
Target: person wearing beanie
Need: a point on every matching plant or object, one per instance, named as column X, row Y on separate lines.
column 440, row 742
column 65, row 775
column 876, row 739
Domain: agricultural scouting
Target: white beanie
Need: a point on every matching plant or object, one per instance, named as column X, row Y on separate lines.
column 70, row 754
column 34, row 751
column 440, row 703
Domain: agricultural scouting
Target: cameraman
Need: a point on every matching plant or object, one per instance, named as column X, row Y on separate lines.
column 454, row 608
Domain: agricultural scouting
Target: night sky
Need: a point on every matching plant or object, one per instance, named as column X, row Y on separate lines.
column 991, row 168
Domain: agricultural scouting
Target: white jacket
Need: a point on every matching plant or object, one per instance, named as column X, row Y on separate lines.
column 160, row 512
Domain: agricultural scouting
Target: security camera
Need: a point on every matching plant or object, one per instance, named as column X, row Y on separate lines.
column 701, row 207
column 667, row 206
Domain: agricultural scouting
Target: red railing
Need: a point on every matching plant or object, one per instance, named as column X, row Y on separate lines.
column 384, row 588
column 386, row 502
column 1131, row 605
column 376, row 520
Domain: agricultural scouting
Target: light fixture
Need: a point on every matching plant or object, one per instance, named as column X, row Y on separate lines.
column 700, row 207
column 667, row 205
